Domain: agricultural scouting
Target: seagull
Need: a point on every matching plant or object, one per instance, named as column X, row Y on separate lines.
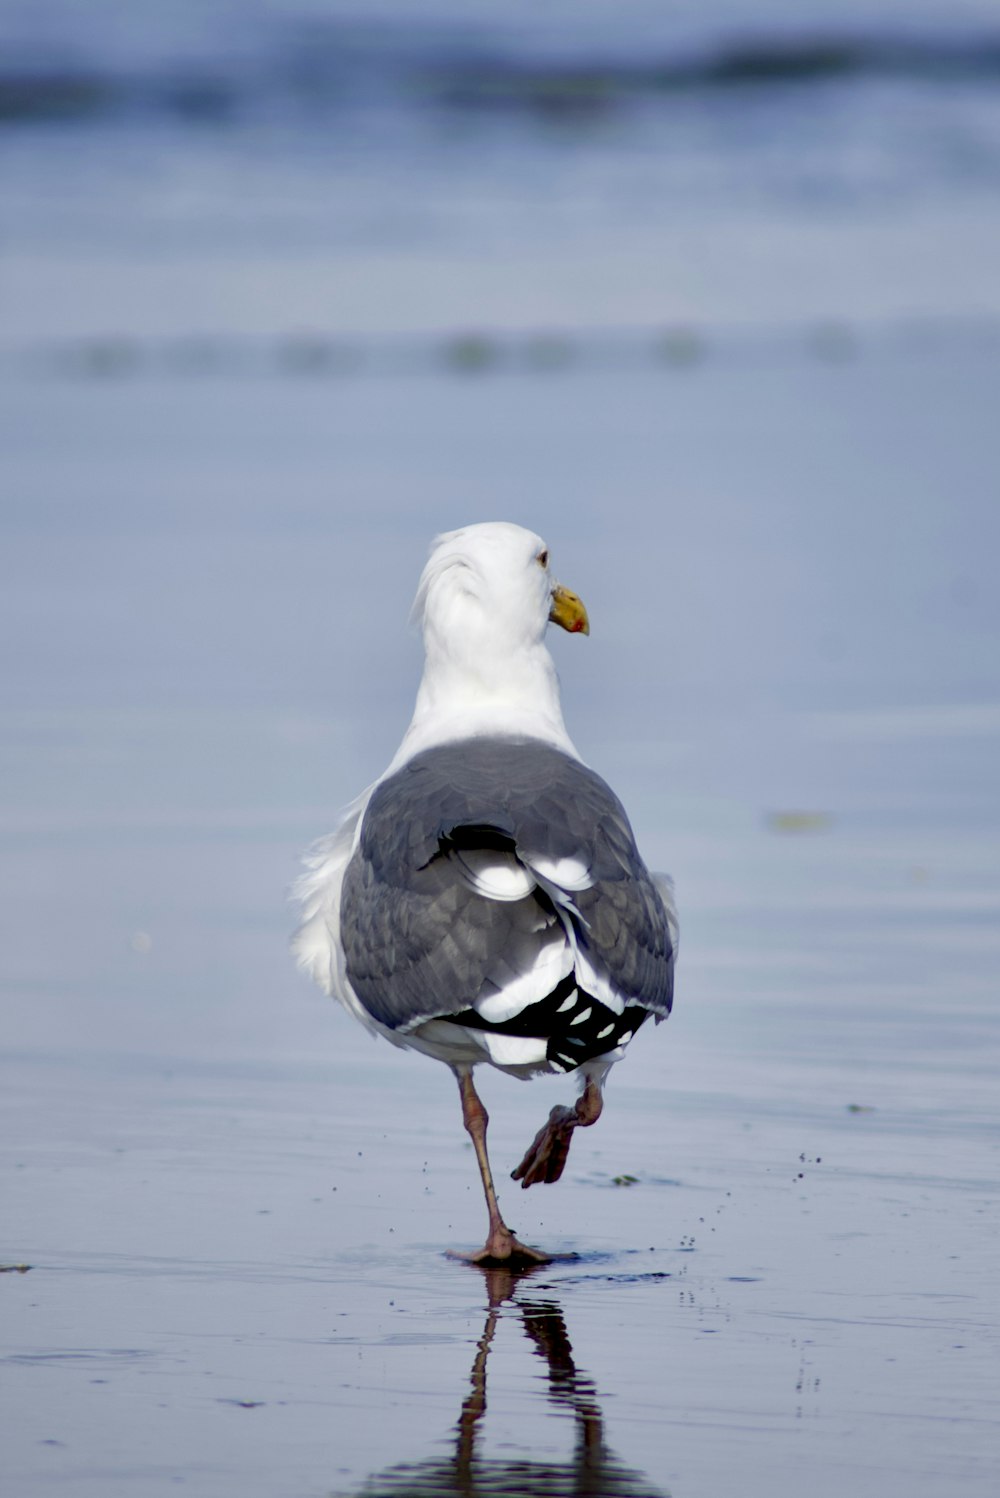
column 483, row 901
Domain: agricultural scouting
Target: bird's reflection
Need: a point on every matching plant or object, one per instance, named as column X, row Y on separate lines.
column 593, row 1471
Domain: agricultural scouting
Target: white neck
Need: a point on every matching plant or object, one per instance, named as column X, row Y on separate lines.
column 458, row 698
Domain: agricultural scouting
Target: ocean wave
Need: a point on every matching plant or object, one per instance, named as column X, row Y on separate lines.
column 319, row 69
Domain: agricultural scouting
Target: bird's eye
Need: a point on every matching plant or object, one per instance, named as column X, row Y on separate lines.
column 543, row 558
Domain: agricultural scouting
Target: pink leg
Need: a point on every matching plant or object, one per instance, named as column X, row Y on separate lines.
column 501, row 1246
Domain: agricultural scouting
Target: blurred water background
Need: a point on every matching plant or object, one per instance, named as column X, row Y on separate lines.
column 708, row 295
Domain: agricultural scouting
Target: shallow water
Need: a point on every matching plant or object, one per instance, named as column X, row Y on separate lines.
column 764, row 449
column 236, row 1206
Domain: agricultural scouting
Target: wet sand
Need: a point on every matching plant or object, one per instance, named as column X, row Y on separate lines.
column 238, row 1273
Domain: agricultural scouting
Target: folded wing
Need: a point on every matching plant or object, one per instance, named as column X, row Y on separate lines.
column 487, row 874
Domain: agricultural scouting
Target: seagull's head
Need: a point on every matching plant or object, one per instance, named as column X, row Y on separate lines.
column 484, row 602
column 488, row 591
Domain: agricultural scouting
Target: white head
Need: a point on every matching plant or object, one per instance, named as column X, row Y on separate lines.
column 484, row 601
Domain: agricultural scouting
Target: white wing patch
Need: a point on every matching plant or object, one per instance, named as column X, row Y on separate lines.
column 526, row 974
column 544, row 952
column 569, row 874
column 494, row 874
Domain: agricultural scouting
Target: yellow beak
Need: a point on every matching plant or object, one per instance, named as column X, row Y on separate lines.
column 568, row 611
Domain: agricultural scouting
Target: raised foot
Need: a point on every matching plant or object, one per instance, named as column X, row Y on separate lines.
column 548, row 1152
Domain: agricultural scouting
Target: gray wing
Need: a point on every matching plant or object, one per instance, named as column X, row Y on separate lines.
column 422, row 941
